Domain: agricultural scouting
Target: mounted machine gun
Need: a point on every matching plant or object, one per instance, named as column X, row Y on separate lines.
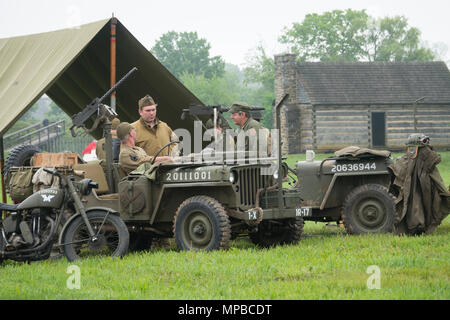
column 104, row 114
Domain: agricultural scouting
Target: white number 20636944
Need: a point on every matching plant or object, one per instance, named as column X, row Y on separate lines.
column 352, row 167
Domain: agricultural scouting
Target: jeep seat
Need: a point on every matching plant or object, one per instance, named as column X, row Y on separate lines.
column 94, row 171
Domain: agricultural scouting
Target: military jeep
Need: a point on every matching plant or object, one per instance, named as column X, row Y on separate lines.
column 203, row 205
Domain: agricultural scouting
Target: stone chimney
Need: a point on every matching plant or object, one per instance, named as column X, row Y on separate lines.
column 285, row 83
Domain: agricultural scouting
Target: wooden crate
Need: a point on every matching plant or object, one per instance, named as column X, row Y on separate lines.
column 55, row 159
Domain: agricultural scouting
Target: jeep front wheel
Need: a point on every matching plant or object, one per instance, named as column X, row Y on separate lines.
column 369, row 208
column 278, row 232
column 201, row 223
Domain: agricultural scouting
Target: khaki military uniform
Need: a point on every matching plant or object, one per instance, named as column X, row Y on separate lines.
column 153, row 139
column 132, row 157
column 252, row 124
column 253, row 127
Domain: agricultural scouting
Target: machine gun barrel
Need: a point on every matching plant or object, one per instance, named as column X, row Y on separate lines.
column 79, row 119
column 196, row 110
column 199, row 110
column 110, row 91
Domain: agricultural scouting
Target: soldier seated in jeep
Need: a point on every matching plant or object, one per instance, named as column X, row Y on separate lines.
column 131, row 156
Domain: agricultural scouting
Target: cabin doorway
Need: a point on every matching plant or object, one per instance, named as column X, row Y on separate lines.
column 378, row 129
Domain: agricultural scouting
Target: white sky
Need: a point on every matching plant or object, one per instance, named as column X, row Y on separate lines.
column 232, row 27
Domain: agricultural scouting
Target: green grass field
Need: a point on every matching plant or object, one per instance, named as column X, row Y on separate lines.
column 326, row 264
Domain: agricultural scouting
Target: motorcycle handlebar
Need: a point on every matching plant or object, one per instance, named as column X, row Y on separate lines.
column 54, row 173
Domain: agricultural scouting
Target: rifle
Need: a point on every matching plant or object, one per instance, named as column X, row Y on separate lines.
column 96, row 106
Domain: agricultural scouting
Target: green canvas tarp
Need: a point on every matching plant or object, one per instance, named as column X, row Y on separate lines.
column 72, row 66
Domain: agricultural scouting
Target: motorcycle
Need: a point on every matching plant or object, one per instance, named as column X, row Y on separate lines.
column 56, row 218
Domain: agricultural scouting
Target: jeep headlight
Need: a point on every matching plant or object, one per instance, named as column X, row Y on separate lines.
column 233, row 177
column 275, row 175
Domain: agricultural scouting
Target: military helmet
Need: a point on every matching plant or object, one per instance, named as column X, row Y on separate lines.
column 418, row 139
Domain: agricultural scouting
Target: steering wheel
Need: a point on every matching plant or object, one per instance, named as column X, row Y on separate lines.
column 160, row 150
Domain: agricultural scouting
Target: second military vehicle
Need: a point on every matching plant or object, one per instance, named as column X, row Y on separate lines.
column 352, row 187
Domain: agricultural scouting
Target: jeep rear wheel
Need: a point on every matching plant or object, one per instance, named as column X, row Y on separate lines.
column 369, row 208
column 278, row 232
column 201, row 223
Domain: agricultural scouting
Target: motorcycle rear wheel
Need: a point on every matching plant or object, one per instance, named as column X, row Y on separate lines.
column 112, row 237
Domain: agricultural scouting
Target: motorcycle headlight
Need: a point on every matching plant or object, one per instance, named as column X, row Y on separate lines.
column 86, row 185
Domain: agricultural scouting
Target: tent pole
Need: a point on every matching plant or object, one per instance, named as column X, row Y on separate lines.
column 113, row 61
column 2, row 168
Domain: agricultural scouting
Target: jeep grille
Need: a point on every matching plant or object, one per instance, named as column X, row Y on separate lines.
column 249, row 181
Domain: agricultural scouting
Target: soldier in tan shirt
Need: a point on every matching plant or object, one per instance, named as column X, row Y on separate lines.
column 131, row 156
column 152, row 133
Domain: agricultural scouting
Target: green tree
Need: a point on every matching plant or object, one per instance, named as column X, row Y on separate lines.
column 391, row 39
column 229, row 88
column 260, row 76
column 214, row 91
column 331, row 36
column 354, row 36
column 186, row 53
column 260, row 69
column 55, row 114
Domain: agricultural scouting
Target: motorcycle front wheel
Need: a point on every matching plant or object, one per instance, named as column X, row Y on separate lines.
column 111, row 237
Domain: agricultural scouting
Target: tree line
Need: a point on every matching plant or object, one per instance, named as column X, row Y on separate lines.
column 338, row 35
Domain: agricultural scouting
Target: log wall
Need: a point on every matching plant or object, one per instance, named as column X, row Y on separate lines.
column 335, row 127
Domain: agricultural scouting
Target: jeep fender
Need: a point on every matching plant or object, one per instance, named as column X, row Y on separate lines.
column 343, row 175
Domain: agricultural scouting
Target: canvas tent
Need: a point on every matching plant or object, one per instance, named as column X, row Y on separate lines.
column 72, row 66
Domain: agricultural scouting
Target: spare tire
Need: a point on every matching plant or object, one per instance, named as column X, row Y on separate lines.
column 20, row 156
